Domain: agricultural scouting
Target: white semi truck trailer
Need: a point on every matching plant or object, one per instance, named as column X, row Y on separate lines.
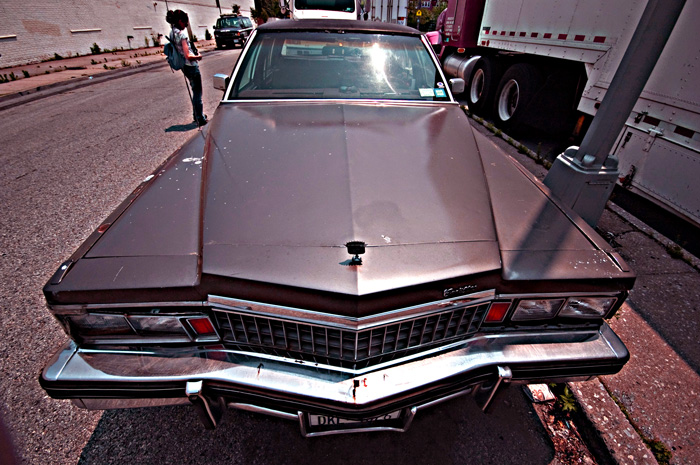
column 324, row 9
column 543, row 62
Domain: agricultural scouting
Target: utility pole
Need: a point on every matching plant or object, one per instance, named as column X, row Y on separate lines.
column 583, row 177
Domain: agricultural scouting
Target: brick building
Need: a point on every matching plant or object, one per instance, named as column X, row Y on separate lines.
column 34, row 30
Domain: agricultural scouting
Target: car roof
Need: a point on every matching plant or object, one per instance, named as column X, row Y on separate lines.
column 337, row 25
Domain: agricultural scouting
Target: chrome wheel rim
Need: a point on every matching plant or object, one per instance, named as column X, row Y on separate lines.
column 508, row 100
column 477, row 87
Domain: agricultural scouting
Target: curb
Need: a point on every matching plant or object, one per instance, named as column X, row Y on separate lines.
column 610, row 424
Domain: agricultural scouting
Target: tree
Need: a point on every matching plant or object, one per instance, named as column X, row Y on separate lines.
column 236, row 8
column 265, row 9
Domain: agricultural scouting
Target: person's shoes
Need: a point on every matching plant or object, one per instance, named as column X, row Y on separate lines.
column 202, row 121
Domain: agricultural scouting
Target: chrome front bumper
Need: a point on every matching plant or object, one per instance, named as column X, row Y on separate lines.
column 213, row 377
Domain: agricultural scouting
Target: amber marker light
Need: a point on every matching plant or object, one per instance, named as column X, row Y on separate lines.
column 497, row 312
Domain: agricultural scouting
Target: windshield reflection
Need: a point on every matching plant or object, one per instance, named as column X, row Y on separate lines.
column 303, row 65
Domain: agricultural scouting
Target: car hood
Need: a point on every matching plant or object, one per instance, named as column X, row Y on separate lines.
column 287, row 185
column 260, row 205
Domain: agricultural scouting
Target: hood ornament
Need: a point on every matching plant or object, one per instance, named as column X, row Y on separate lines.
column 356, row 248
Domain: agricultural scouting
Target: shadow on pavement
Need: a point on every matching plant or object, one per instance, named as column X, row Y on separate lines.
column 453, row 432
column 181, row 127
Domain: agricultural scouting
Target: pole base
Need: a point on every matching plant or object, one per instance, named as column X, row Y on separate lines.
column 584, row 189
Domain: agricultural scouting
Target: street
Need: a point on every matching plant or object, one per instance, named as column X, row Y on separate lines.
column 67, row 161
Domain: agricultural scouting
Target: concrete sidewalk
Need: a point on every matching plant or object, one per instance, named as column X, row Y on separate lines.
column 50, row 77
column 652, row 402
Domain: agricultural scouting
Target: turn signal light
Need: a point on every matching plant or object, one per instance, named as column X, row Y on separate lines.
column 497, row 312
column 203, row 327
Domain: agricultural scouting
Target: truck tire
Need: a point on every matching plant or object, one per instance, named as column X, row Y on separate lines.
column 514, row 95
column 482, row 85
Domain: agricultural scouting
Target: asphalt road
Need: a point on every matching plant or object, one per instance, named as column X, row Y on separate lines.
column 66, row 162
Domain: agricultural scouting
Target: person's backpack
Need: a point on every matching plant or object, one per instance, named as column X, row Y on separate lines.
column 175, row 59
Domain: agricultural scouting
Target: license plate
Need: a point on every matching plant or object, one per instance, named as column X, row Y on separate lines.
column 316, row 425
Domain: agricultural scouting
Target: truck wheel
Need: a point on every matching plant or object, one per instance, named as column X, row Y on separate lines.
column 482, row 85
column 515, row 91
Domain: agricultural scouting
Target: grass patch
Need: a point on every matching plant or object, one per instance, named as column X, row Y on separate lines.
column 675, row 251
column 566, row 402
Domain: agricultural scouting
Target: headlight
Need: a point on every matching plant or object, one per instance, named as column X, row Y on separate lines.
column 103, row 328
column 93, row 325
column 588, row 307
column 146, row 325
column 537, row 309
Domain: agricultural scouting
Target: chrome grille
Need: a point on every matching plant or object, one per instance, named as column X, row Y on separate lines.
column 347, row 347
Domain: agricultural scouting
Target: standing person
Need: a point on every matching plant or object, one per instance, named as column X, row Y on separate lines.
column 179, row 20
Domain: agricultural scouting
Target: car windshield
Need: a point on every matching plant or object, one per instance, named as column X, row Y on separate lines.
column 329, row 5
column 351, row 65
column 230, row 22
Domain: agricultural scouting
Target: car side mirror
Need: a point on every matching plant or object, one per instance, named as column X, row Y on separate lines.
column 221, row 81
column 457, row 85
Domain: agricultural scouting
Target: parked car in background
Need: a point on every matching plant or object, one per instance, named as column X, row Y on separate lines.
column 337, row 247
column 232, row 30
